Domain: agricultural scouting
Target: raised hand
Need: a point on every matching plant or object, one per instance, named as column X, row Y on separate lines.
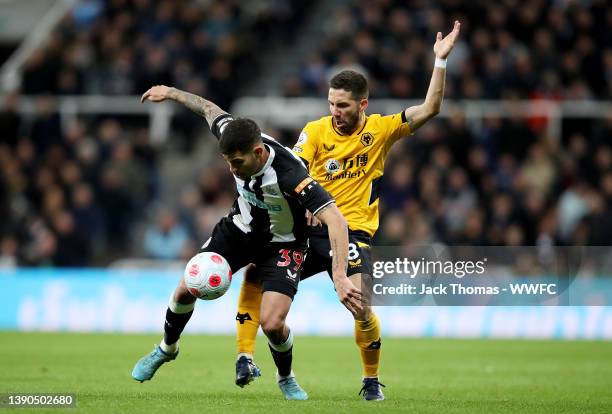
column 443, row 46
column 157, row 93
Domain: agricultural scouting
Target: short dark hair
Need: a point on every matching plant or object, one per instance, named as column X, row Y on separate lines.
column 241, row 135
column 351, row 81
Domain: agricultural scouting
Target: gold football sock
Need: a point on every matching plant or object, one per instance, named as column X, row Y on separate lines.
column 367, row 337
column 247, row 319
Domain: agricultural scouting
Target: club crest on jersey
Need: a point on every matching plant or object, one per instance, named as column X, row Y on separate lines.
column 367, row 139
column 302, row 139
column 332, row 166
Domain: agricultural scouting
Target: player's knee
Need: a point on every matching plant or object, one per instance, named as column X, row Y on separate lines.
column 182, row 295
column 272, row 325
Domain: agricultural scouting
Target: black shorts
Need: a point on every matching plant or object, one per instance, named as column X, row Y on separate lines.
column 277, row 265
column 319, row 259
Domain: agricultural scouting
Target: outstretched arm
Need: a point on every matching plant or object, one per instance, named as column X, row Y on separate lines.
column 417, row 115
column 196, row 103
column 349, row 294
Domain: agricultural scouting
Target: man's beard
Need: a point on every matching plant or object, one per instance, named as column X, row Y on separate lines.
column 350, row 125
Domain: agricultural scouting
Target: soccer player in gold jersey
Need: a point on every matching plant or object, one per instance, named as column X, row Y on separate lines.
column 345, row 152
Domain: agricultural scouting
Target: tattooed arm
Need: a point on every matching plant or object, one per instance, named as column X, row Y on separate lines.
column 349, row 294
column 197, row 104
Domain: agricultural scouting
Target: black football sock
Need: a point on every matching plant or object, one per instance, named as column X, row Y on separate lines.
column 174, row 325
column 283, row 355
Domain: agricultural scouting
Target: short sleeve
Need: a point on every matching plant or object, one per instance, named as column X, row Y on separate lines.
column 306, row 147
column 296, row 183
column 396, row 126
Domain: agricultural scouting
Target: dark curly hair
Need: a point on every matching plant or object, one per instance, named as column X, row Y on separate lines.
column 241, row 135
column 351, row 81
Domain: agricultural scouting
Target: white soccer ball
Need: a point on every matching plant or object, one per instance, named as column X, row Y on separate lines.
column 207, row 276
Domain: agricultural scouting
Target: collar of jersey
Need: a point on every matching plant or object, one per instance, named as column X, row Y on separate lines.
column 268, row 163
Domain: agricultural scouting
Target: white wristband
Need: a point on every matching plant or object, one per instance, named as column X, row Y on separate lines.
column 440, row 63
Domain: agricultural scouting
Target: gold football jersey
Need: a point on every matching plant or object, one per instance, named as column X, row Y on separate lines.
column 350, row 167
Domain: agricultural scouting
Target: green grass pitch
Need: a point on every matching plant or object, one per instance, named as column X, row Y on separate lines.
column 422, row 375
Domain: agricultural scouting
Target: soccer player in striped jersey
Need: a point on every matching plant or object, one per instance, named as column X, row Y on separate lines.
column 267, row 227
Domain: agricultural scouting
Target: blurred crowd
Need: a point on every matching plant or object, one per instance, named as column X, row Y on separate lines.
column 70, row 193
column 86, row 191
column 123, row 47
column 74, row 194
column 508, row 49
column 503, row 185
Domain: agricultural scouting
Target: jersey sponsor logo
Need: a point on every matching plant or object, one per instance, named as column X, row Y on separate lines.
column 329, row 148
column 345, row 174
column 269, row 190
column 298, row 189
column 251, row 198
column 332, row 166
column 367, row 139
column 358, row 161
column 302, row 139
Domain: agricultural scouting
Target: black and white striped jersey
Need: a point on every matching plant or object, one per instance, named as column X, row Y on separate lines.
column 271, row 204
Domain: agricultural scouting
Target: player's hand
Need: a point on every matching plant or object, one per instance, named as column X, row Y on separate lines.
column 311, row 220
column 349, row 294
column 443, row 46
column 157, row 93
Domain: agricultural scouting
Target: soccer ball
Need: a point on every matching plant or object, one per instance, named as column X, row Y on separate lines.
column 207, row 276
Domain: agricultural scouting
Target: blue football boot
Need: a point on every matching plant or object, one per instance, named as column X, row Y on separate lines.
column 291, row 389
column 146, row 366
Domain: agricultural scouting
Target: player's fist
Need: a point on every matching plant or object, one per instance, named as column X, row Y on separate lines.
column 349, row 294
column 157, row 93
column 443, row 46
